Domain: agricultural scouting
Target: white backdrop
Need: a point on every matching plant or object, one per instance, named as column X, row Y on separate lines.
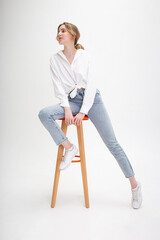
column 123, row 37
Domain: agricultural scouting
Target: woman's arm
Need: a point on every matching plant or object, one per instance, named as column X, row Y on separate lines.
column 90, row 89
column 61, row 94
column 58, row 86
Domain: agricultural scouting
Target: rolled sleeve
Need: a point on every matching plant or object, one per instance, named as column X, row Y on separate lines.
column 90, row 89
column 58, row 86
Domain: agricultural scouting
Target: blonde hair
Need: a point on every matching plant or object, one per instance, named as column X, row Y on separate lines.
column 74, row 31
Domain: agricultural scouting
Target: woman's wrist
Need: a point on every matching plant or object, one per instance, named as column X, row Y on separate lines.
column 67, row 108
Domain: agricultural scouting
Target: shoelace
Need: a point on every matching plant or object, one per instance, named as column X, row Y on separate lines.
column 135, row 195
column 66, row 152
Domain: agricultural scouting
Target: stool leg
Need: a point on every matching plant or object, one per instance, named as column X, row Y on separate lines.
column 83, row 163
column 57, row 171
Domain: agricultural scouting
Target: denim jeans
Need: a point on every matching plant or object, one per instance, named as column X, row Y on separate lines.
column 98, row 116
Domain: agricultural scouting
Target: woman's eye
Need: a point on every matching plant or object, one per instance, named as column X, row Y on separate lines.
column 62, row 31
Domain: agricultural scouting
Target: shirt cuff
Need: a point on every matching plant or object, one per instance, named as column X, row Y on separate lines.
column 84, row 110
column 65, row 103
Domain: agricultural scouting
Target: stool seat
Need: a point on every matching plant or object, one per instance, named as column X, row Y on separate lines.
column 82, row 161
column 85, row 118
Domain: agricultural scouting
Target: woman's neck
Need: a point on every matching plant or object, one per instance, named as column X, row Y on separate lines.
column 69, row 50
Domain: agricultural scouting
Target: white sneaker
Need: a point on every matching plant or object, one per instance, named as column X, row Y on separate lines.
column 136, row 196
column 68, row 156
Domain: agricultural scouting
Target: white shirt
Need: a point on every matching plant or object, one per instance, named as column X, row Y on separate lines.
column 67, row 77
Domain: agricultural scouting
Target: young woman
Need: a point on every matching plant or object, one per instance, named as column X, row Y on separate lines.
column 75, row 87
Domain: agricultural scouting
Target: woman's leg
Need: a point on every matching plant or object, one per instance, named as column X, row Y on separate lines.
column 67, row 144
column 100, row 118
column 133, row 182
column 48, row 116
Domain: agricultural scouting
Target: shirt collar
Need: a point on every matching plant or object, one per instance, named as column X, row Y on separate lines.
column 77, row 54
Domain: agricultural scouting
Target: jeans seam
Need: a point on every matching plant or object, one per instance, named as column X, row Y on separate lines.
column 59, row 130
column 63, row 141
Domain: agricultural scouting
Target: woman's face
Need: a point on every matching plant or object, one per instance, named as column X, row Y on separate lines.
column 64, row 36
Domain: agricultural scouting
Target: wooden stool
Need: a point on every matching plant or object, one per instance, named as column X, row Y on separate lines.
column 81, row 160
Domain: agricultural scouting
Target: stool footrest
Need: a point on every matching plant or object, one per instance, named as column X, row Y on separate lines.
column 75, row 160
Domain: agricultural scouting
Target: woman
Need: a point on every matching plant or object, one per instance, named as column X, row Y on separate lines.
column 74, row 85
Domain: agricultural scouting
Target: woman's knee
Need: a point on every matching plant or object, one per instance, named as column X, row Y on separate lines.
column 54, row 111
column 113, row 145
column 43, row 114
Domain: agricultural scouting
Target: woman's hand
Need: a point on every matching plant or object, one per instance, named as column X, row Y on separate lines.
column 68, row 116
column 78, row 118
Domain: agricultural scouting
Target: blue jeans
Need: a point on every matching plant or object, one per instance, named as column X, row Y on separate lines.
column 99, row 117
